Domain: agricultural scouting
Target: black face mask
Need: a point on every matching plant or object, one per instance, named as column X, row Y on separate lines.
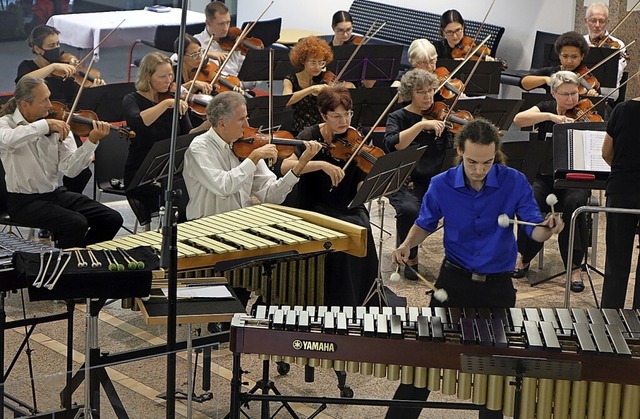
column 52, row 55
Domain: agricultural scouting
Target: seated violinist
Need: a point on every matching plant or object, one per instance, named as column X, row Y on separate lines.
column 34, row 150
column 597, row 18
column 455, row 44
column 407, row 127
column 571, row 48
column 564, row 89
column 217, row 179
column 191, row 57
column 422, row 54
column 342, row 26
column 327, row 188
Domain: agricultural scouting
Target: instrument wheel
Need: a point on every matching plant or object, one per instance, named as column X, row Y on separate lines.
column 283, row 368
column 346, row 392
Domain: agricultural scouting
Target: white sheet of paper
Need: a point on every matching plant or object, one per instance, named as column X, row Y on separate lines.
column 206, row 291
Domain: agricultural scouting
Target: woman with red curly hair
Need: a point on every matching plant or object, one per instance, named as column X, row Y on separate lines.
column 311, row 55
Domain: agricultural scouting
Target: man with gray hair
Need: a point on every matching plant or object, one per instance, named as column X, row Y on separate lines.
column 217, row 180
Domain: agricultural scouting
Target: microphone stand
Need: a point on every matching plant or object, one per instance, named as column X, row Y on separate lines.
column 169, row 252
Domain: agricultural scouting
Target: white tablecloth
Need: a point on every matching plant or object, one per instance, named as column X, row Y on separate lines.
column 85, row 30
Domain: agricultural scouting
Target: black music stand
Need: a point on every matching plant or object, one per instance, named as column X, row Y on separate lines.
column 387, row 175
column 106, row 101
column 368, row 104
column 520, row 367
column 499, row 111
column 371, row 62
column 256, row 65
column 258, row 111
column 485, row 80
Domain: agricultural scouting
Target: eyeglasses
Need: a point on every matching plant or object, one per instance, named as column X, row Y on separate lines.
column 344, row 31
column 454, row 32
column 194, row 54
column 339, row 116
column 425, row 62
column 317, row 63
column 598, row 21
column 424, row 92
column 570, row 57
column 567, row 94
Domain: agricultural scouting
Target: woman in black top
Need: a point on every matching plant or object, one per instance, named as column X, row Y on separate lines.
column 621, row 149
column 150, row 116
column 326, row 188
column 407, row 127
column 564, row 88
column 452, row 28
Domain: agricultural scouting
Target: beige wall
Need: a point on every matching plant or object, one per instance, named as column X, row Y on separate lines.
column 627, row 32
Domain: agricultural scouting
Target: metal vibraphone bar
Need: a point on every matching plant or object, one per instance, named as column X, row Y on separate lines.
column 423, row 347
column 258, row 231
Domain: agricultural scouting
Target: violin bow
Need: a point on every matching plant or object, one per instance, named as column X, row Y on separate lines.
column 367, row 36
column 77, row 98
column 605, row 59
column 618, row 25
column 100, row 43
column 463, row 62
column 243, row 34
column 200, row 65
column 607, row 96
column 483, row 21
column 464, row 86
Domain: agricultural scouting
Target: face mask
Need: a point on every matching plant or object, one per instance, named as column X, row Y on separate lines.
column 52, row 55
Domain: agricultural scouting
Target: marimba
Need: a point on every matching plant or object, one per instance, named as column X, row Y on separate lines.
column 423, row 347
column 255, row 231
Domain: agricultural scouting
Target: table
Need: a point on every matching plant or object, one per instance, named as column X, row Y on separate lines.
column 85, row 30
column 291, row 36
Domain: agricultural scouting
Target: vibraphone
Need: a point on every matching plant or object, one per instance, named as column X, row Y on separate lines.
column 254, row 231
column 423, row 347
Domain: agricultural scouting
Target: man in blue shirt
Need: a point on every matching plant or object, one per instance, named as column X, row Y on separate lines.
column 479, row 254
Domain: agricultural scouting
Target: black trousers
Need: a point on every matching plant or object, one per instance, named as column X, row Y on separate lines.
column 497, row 291
column 406, row 201
column 621, row 232
column 74, row 219
column 568, row 201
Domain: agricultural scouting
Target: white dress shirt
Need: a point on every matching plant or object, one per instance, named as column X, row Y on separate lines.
column 235, row 62
column 217, row 181
column 622, row 63
column 32, row 159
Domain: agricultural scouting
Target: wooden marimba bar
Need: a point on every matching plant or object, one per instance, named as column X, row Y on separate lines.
column 423, row 346
column 254, row 231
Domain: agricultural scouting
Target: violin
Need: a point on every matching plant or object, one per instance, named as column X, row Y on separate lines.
column 225, row 83
column 81, row 122
column 355, row 40
column 452, row 88
column 587, row 80
column 252, row 139
column 247, row 43
column 584, row 112
column 610, row 43
column 453, row 122
column 78, row 76
column 343, row 146
column 467, row 44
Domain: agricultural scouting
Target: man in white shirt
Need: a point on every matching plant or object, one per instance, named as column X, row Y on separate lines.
column 597, row 18
column 216, row 180
column 34, row 149
column 217, row 24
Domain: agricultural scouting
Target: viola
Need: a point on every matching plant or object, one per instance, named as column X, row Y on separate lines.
column 584, row 112
column 587, row 80
column 252, row 139
column 81, row 122
column 453, row 122
column 78, row 76
column 452, row 88
column 247, row 43
column 344, row 145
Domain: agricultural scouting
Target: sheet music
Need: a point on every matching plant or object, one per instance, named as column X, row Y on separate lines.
column 209, row 291
column 586, row 150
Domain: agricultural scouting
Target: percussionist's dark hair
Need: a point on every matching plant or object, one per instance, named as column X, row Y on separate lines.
column 480, row 131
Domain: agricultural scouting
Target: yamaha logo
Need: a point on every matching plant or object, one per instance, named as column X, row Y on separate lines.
column 310, row 345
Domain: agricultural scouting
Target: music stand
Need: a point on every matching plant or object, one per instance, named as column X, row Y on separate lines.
column 520, row 367
column 368, row 104
column 607, row 73
column 258, row 111
column 371, row 62
column 387, row 175
column 485, row 80
column 499, row 111
column 106, row 101
column 256, row 65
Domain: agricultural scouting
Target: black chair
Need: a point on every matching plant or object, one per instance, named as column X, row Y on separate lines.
column 268, row 31
column 163, row 39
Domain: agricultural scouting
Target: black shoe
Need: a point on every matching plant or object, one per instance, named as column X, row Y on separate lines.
column 217, row 327
column 43, row 234
column 411, row 274
column 522, row 272
column 577, row 286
